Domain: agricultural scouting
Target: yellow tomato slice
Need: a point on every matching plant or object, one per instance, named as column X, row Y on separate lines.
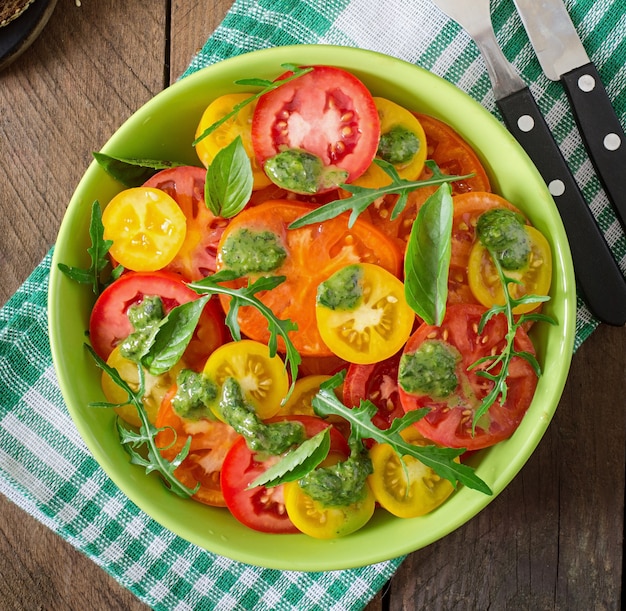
column 377, row 326
column 263, row 379
column 299, row 402
column 238, row 125
column 408, row 490
column 326, row 522
column 147, row 228
column 534, row 278
column 155, row 387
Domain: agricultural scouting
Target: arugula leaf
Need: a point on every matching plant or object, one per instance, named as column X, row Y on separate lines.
column 362, row 197
column 97, row 251
column 132, row 172
column 254, row 82
column 229, row 180
column 441, row 460
column 146, row 436
column 297, row 463
column 427, row 259
column 246, row 296
column 487, row 364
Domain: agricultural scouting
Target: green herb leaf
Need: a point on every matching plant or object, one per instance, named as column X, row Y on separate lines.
column 129, row 171
column 362, row 197
column 296, row 463
column 441, row 460
column 146, row 436
column 229, row 179
column 246, row 296
column 253, row 82
column 97, row 251
column 427, row 259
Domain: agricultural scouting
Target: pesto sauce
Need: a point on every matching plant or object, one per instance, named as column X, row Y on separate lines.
column 430, row 370
column 398, row 145
column 339, row 484
column 145, row 318
column 248, row 252
column 273, row 438
column 342, row 290
column 502, row 232
column 302, row 172
column 194, row 394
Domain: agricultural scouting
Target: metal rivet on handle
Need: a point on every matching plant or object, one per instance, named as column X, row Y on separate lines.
column 586, row 83
column 526, row 123
column 612, row 142
column 556, row 187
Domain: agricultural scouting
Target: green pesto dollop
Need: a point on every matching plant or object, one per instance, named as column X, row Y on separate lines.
column 430, row 370
column 194, row 394
column 145, row 317
column 398, row 145
column 339, row 484
column 273, row 438
column 302, row 172
column 502, row 232
column 342, row 290
column 251, row 252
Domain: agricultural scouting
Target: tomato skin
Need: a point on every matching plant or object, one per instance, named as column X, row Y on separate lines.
column 196, row 257
column 314, row 252
column 449, row 423
column 109, row 323
column 327, row 112
column 261, row 508
column 210, row 442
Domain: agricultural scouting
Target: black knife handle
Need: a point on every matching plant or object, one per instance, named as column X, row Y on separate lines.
column 597, row 272
column 601, row 131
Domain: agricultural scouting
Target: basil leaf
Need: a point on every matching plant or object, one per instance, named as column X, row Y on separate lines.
column 297, row 463
column 228, row 184
column 132, row 172
column 173, row 336
column 427, row 259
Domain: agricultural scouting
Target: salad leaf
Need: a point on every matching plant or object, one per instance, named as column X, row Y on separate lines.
column 97, row 251
column 229, row 180
column 362, row 197
column 297, row 463
column 266, row 85
column 132, row 172
column 427, row 259
column 146, row 436
column 246, row 296
column 441, row 460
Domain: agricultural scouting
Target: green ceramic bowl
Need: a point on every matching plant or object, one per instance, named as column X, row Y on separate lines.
column 164, row 129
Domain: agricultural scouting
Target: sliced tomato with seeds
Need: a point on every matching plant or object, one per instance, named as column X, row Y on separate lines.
column 196, row 257
column 449, row 421
column 327, row 112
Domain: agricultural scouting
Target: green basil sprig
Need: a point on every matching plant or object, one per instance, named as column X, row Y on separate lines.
column 132, row 172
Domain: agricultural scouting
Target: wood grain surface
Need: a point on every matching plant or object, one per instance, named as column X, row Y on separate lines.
column 552, row 540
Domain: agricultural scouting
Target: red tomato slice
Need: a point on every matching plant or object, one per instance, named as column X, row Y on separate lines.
column 210, row 442
column 449, row 422
column 327, row 112
column 109, row 323
column 262, row 508
column 314, row 253
column 196, row 257
column 377, row 383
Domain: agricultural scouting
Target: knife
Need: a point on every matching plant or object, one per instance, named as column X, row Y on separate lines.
column 563, row 57
column 598, row 275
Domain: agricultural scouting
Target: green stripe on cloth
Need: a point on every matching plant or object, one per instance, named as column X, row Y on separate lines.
column 46, row 469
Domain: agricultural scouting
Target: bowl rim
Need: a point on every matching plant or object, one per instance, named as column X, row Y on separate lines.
column 340, row 558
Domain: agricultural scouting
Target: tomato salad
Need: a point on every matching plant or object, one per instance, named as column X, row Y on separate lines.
column 325, row 316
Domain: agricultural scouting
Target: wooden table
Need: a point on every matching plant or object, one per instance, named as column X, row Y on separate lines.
column 552, row 540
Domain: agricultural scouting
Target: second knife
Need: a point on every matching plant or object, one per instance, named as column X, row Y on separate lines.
column 597, row 273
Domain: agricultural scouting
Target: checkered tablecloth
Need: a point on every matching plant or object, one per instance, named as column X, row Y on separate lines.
column 45, row 467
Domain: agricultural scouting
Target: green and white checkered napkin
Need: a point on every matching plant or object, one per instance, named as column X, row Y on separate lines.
column 47, row 470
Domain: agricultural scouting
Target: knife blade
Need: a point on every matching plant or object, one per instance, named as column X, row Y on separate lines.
column 598, row 275
column 563, row 58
